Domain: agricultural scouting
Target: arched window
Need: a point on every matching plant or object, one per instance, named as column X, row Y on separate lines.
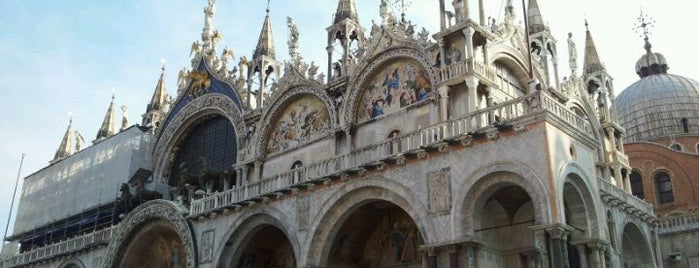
column 664, row 185
column 395, row 145
column 676, row 147
column 297, row 172
column 636, row 184
column 685, row 124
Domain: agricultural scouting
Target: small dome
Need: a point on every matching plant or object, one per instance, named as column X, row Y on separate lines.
column 651, row 63
column 659, row 105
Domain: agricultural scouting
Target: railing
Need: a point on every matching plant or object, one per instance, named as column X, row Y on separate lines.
column 618, row 193
column 67, row 246
column 680, row 223
column 388, row 149
column 459, row 69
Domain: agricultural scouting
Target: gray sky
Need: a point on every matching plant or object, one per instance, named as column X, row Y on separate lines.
column 68, row 57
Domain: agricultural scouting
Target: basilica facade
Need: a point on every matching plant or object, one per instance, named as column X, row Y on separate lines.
column 463, row 148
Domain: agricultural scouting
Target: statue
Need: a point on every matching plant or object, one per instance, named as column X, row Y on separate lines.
column 124, row 118
column 227, row 53
column 572, row 54
column 196, row 47
column 385, row 13
column 209, row 11
column 313, row 70
column 215, row 38
column 293, row 38
column 242, row 65
column 143, row 195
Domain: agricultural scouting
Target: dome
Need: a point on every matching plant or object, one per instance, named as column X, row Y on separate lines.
column 659, row 105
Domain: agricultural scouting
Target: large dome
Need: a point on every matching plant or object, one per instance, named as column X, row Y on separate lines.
column 659, row 105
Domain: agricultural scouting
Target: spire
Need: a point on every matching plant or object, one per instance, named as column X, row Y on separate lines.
column 158, row 101
column 107, row 128
column 346, row 9
column 265, row 44
column 591, row 62
column 536, row 21
column 66, row 147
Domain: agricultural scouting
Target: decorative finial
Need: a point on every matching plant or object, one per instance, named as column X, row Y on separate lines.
column 70, row 118
column 642, row 27
column 267, row 7
column 403, row 5
column 587, row 26
column 162, row 65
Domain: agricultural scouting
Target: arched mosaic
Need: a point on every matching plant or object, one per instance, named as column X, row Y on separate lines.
column 397, row 85
column 300, row 121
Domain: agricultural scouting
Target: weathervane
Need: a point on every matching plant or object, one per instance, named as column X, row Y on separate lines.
column 642, row 27
column 402, row 5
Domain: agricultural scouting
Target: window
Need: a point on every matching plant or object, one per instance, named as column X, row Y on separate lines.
column 210, row 145
column 685, row 125
column 395, row 145
column 297, row 174
column 676, row 147
column 664, row 185
column 636, row 184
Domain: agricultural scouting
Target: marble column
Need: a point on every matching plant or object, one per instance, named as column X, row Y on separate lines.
column 443, row 103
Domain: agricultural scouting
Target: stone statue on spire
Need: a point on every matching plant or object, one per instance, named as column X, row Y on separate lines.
column 572, row 55
column 293, row 38
column 208, row 31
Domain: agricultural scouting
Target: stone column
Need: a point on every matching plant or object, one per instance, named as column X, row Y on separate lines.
column 245, row 178
column 468, row 34
column 472, row 105
column 471, row 255
column 558, row 245
column 443, row 103
column 429, row 258
column 258, row 170
column 582, row 250
column 453, row 257
column 596, row 260
column 330, row 60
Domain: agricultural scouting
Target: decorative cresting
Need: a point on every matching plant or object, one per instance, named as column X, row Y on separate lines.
column 212, row 103
column 380, row 74
column 198, row 83
column 300, row 115
column 148, row 212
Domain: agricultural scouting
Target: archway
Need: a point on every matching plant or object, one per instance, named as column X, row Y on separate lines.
column 501, row 226
column 156, row 244
column 576, row 218
column 376, row 234
column 266, row 246
column 635, row 251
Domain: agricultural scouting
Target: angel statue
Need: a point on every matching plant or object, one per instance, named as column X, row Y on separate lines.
column 227, row 53
column 215, row 38
column 196, row 47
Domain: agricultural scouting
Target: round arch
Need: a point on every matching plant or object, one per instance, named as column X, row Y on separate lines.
column 72, row 263
column 348, row 199
column 369, row 70
column 575, row 188
column 635, row 247
column 281, row 103
column 158, row 216
column 485, row 181
column 232, row 244
column 206, row 105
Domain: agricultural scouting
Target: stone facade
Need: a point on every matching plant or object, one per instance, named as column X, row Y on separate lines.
column 413, row 154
